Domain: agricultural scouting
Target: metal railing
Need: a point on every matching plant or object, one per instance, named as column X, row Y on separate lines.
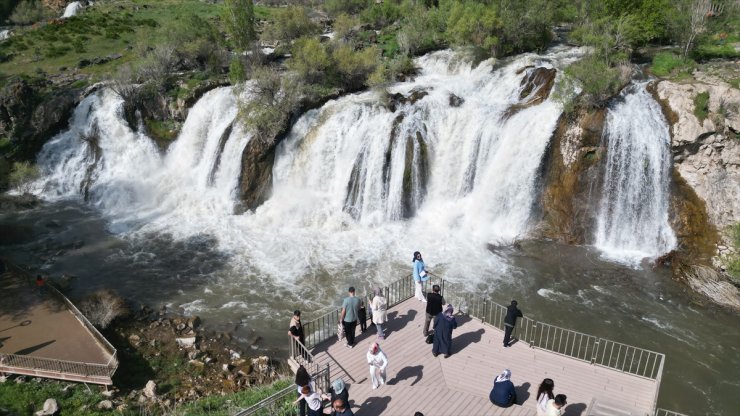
column 281, row 403
column 62, row 369
column 664, row 412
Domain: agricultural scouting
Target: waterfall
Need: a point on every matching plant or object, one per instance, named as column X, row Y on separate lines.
column 632, row 222
column 446, row 163
column 124, row 174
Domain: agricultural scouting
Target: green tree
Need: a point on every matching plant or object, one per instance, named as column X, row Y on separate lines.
column 291, row 23
column 238, row 17
column 272, row 99
column 474, row 23
column 310, row 60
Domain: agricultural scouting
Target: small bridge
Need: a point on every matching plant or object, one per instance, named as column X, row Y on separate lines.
column 44, row 335
column 599, row 376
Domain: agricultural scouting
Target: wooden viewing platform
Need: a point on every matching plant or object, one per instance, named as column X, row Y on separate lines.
column 460, row 384
column 44, row 335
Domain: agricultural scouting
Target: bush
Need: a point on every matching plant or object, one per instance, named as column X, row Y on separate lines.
column 102, row 307
column 422, row 30
column 22, row 176
column 701, row 105
column 311, row 60
column 355, row 66
column 472, row 23
column 272, row 98
column 336, row 7
column 596, row 80
column 291, row 23
column 381, row 15
column 30, row 11
column 237, row 72
column 344, row 25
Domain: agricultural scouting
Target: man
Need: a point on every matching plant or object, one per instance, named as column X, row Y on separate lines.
column 350, row 311
column 512, row 312
column 341, row 408
column 434, row 307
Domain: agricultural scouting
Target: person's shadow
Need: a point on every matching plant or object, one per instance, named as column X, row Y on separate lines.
column 459, row 343
column 408, row 372
column 397, row 323
column 373, row 406
column 522, row 393
column 575, row 409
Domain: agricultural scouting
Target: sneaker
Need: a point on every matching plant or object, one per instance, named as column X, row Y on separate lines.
column 382, row 382
column 375, row 387
column 423, row 301
column 381, row 337
column 349, row 346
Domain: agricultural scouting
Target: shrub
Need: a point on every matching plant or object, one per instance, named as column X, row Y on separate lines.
column 596, row 80
column 355, row 66
column 22, row 176
column 336, row 7
column 311, row 60
column 701, row 105
column 472, row 23
column 238, row 18
column 237, row 72
column 422, row 30
column 30, row 11
column 102, row 307
column 344, row 25
column 381, row 15
column 291, row 23
column 272, row 98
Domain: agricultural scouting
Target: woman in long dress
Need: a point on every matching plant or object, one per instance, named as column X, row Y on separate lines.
column 444, row 323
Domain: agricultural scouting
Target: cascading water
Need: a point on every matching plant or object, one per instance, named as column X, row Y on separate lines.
column 632, row 222
column 446, row 163
column 123, row 174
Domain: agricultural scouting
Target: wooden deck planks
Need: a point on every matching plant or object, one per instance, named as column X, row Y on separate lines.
column 459, row 385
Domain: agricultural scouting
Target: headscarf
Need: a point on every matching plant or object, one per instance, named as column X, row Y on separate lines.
column 448, row 313
column 378, row 291
column 374, row 348
column 338, row 386
column 505, row 376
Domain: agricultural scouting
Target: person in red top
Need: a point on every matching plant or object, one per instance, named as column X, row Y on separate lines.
column 40, row 284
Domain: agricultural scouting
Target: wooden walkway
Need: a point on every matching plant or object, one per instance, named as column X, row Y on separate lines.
column 460, row 384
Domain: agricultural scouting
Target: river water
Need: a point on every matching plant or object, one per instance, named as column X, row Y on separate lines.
column 572, row 287
column 360, row 184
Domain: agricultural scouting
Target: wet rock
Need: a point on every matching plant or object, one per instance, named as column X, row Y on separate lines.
column 456, row 101
column 150, row 390
column 51, row 407
column 194, row 322
column 188, row 342
column 105, row 405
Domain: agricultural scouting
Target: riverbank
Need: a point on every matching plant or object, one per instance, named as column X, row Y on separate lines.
column 166, row 362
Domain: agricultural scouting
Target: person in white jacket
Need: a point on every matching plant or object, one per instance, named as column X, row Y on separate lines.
column 378, row 361
column 555, row 406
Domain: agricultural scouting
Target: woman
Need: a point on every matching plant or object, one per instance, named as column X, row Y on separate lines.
column 296, row 332
column 379, row 306
column 544, row 393
column 444, row 323
column 503, row 393
column 302, row 379
column 378, row 361
column 420, row 276
column 338, row 390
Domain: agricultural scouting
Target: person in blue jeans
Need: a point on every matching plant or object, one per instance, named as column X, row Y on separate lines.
column 350, row 313
column 503, row 393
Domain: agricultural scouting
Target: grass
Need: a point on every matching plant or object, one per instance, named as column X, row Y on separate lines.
column 28, row 397
column 224, row 405
column 122, row 27
column 667, row 63
column 733, row 262
column 701, row 105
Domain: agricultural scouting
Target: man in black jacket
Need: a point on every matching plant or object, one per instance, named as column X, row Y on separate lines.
column 512, row 312
column 434, row 307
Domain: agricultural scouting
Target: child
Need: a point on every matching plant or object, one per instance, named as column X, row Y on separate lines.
column 362, row 316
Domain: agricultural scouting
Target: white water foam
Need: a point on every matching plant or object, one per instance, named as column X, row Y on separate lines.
column 481, row 162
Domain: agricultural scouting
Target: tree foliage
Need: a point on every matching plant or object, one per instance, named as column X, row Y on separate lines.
column 238, row 18
column 22, row 176
column 271, row 99
column 30, row 11
column 291, row 23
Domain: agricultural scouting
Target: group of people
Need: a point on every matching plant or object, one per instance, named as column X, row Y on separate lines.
column 311, row 401
column 441, row 316
column 503, row 394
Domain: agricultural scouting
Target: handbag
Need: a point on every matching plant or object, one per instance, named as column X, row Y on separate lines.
column 340, row 331
column 430, row 338
column 423, row 273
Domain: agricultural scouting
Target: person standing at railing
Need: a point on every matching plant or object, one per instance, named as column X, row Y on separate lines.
column 350, row 312
column 434, row 307
column 378, row 362
column 296, row 331
column 512, row 312
column 379, row 308
column 420, row 276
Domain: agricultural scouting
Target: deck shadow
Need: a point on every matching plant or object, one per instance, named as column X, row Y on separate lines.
column 29, row 350
column 407, row 373
column 575, row 409
column 460, row 342
column 522, row 393
column 373, row 406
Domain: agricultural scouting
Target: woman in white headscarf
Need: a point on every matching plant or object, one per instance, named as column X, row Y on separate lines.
column 378, row 361
column 503, row 393
column 379, row 306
